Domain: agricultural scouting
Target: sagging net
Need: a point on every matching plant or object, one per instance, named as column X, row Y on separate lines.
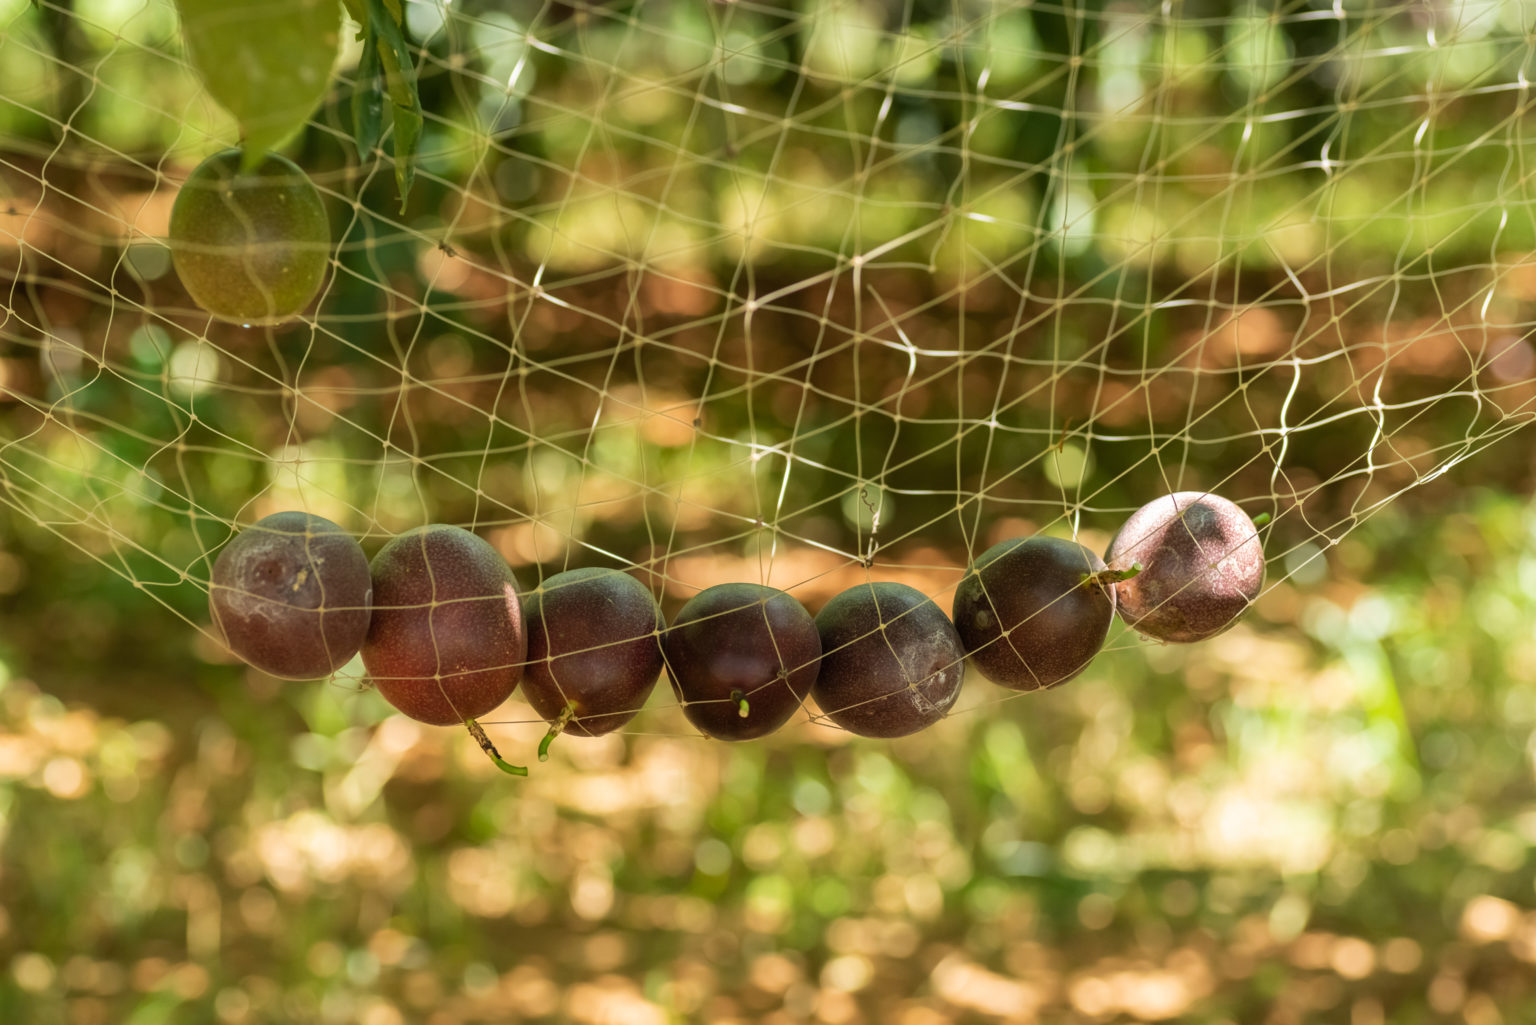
column 801, row 296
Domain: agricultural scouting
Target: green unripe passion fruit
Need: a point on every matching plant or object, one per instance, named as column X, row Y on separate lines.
column 250, row 246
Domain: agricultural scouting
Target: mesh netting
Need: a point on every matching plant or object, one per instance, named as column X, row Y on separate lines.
column 801, row 296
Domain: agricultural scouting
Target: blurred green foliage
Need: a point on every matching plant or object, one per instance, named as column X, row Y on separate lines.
column 702, row 289
column 1328, row 812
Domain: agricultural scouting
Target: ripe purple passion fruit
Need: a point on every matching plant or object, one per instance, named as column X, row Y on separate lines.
column 291, row 595
column 1033, row 612
column 593, row 648
column 891, row 661
column 1202, row 566
column 447, row 641
column 742, row 658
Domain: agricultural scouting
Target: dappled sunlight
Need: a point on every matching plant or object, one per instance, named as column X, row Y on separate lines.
column 1115, row 866
column 811, row 295
column 967, row 985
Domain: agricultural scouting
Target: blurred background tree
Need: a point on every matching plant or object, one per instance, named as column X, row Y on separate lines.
column 801, row 295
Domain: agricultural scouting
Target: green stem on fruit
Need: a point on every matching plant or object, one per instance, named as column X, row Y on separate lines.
column 1108, row 577
column 1261, row 519
column 742, row 708
column 555, row 729
column 478, row 733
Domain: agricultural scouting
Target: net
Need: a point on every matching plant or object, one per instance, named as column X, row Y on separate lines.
column 803, row 296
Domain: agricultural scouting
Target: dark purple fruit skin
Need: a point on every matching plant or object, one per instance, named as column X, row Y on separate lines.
column 291, row 595
column 447, row 641
column 863, row 687
column 1202, row 566
column 593, row 641
column 741, row 637
column 1033, row 589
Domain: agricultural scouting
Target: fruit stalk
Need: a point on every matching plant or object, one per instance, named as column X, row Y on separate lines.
column 1109, row 577
column 478, row 733
column 555, row 729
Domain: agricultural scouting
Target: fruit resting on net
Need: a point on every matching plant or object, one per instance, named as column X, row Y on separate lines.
column 443, row 635
column 250, row 246
column 1201, row 566
column 593, row 647
column 291, row 595
column 1032, row 613
column 891, row 661
column 447, row 642
column 742, row 658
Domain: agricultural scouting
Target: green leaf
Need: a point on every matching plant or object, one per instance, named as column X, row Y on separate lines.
column 399, row 73
column 368, row 99
column 267, row 63
column 407, row 136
